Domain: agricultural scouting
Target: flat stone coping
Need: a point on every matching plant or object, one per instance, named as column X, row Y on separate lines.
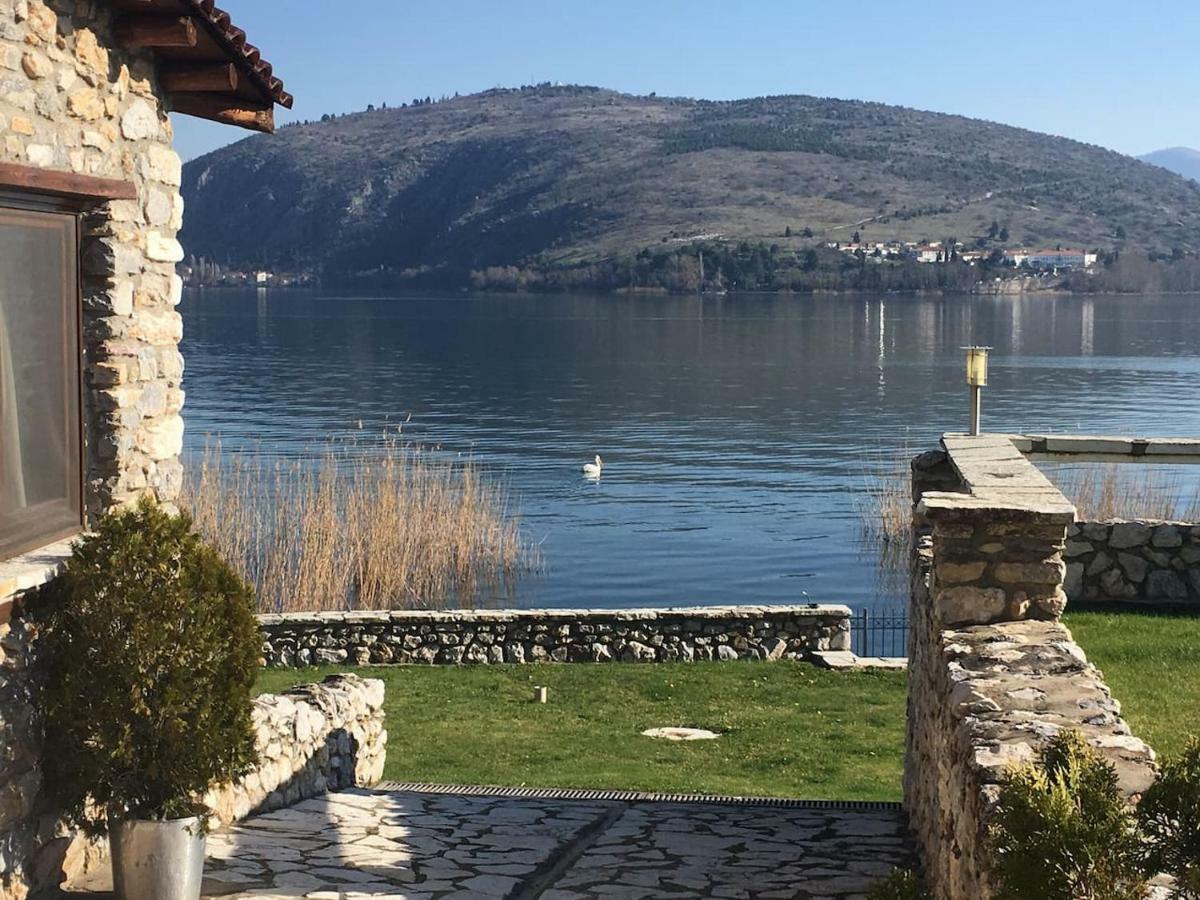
column 704, row 613
column 999, row 481
column 845, row 661
column 1014, row 684
column 32, row 569
column 1182, row 449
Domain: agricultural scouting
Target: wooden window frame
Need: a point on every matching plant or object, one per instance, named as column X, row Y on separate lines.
column 35, row 189
column 68, row 513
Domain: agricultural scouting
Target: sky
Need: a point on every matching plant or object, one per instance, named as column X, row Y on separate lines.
column 1118, row 73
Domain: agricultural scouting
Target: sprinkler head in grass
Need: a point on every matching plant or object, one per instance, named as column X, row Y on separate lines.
column 541, row 694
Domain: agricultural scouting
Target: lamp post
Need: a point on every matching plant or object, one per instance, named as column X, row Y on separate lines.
column 977, row 371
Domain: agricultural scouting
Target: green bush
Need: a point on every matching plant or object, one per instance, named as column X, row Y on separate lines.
column 1169, row 816
column 151, row 650
column 1063, row 831
column 902, row 884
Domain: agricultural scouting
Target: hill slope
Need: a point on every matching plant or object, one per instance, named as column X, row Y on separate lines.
column 555, row 176
column 1181, row 160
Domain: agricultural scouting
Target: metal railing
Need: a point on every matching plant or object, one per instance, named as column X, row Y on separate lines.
column 879, row 631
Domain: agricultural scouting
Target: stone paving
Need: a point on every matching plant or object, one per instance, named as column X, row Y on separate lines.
column 356, row 845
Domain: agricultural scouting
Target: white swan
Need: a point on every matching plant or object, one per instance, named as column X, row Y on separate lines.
column 593, row 469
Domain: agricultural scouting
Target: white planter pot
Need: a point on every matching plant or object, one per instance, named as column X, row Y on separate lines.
column 154, row 860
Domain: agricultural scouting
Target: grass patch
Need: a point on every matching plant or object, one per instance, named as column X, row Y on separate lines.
column 1152, row 663
column 788, row 730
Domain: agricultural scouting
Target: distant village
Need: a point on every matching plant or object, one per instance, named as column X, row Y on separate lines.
column 200, row 272
column 939, row 252
column 1043, row 262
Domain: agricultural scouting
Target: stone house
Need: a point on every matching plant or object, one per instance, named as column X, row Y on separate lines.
column 90, row 371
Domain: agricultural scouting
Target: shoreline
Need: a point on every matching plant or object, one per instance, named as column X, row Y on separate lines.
column 349, row 290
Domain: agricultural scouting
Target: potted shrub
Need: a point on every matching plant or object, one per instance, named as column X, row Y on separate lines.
column 151, row 651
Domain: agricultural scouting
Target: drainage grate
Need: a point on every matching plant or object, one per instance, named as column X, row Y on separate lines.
column 471, row 790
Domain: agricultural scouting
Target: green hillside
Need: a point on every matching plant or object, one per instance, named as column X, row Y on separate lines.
column 558, row 176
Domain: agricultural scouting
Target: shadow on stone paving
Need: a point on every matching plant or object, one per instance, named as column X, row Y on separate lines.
column 359, row 844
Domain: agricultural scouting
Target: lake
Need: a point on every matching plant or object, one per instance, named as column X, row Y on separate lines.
column 738, row 432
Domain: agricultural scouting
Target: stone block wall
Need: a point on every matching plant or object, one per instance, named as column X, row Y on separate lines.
column 72, row 101
column 526, row 636
column 1151, row 563
column 311, row 739
column 21, row 833
column 992, row 672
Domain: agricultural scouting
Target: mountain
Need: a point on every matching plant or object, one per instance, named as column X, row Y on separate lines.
column 557, row 176
column 1180, row 160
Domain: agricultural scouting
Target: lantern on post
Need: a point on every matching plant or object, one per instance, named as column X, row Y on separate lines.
column 977, row 372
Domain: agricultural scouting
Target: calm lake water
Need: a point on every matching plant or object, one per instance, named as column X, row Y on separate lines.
column 737, row 432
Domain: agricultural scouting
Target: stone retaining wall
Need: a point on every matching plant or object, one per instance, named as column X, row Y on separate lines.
column 1152, row 563
column 580, row 635
column 992, row 672
column 311, row 739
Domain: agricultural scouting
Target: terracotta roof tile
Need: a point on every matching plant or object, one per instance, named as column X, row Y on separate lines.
column 245, row 55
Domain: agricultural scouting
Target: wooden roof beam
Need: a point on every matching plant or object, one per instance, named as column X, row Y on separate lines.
column 225, row 109
column 156, row 31
column 219, row 77
column 65, row 184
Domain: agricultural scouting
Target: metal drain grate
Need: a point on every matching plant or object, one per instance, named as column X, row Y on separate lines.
column 472, row 790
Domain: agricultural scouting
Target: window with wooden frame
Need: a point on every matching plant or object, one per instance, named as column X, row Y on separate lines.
column 41, row 454
column 41, row 429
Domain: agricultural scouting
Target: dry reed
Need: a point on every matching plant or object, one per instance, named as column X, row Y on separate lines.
column 1100, row 493
column 1127, row 491
column 885, row 517
column 360, row 527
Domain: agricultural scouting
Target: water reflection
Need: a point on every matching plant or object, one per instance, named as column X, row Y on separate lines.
column 736, row 431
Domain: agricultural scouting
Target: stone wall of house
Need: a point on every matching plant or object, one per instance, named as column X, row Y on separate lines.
column 311, row 739
column 1152, row 563
column 525, row 636
column 20, row 759
column 73, row 102
column 992, row 670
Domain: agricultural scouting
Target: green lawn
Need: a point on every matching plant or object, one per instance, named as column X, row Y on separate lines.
column 1152, row 664
column 787, row 729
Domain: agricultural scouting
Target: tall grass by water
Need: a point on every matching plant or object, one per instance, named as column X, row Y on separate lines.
column 362, row 526
column 1128, row 491
column 1099, row 492
column 885, row 518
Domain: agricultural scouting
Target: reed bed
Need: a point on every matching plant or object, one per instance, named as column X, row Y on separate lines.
column 366, row 527
column 885, row 517
column 1100, row 493
column 1127, row 491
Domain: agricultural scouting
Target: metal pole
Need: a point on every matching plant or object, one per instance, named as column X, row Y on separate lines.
column 976, row 403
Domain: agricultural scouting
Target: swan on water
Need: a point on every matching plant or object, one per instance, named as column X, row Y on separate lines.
column 592, row 469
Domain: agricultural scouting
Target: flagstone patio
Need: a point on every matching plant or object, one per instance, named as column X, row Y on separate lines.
column 415, row 845
column 405, row 844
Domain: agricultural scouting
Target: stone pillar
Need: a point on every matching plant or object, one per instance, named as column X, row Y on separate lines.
column 932, row 471
column 987, row 555
column 994, row 563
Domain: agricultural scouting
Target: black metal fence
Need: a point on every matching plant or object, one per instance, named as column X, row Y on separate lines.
column 880, row 631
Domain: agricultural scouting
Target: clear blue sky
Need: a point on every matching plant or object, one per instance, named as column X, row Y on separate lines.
column 1120, row 73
